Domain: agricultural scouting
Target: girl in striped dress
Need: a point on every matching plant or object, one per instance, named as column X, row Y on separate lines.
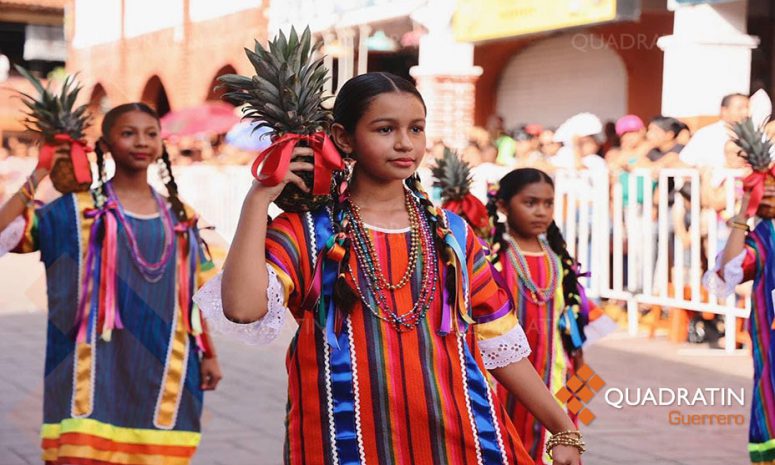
column 385, row 367
column 127, row 355
column 530, row 253
column 750, row 255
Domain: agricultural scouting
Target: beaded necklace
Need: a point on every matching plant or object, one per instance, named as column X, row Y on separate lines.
column 151, row 271
column 374, row 284
column 535, row 294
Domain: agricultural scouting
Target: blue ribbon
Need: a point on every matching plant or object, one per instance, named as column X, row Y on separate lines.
column 486, row 425
column 569, row 325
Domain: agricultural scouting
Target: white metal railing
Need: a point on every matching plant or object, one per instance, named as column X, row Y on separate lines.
column 630, row 245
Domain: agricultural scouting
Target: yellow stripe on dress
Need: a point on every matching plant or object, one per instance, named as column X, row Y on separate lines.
column 495, row 328
column 174, row 377
column 83, row 369
column 120, row 434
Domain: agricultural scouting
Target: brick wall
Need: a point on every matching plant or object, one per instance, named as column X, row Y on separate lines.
column 186, row 61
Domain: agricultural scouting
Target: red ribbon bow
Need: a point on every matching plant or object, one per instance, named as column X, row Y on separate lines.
column 277, row 157
column 471, row 209
column 754, row 183
column 78, row 151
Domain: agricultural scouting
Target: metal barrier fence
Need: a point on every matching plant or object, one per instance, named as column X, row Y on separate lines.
column 647, row 238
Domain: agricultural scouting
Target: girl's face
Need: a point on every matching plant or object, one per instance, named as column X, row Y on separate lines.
column 389, row 139
column 531, row 210
column 135, row 141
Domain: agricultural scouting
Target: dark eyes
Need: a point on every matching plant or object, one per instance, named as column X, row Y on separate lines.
column 388, row 129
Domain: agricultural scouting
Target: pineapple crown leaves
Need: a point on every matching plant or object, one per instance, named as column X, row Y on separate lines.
column 286, row 93
column 50, row 114
column 755, row 147
column 453, row 176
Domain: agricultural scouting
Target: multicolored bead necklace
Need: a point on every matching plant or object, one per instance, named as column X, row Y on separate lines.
column 375, row 284
column 535, row 294
column 151, row 271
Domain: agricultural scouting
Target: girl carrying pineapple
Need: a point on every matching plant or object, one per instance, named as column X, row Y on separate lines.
column 385, row 367
column 127, row 354
column 750, row 255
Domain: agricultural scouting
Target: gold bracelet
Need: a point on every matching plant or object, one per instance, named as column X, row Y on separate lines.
column 738, row 225
column 566, row 438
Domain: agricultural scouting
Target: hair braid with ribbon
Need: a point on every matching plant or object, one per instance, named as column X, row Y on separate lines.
column 100, row 170
column 436, row 222
column 344, row 295
column 165, row 171
column 497, row 228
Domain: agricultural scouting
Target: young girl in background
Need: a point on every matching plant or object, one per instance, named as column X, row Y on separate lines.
column 385, row 367
column 541, row 277
column 127, row 355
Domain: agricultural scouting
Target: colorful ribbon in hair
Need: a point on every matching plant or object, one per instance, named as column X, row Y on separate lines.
column 107, row 314
column 275, row 160
column 754, row 183
column 78, row 151
column 187, row 258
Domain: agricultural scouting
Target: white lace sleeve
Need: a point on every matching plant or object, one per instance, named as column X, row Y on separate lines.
column 733, row 275
column 12, row 235
column 263, row 331
column 505, row 349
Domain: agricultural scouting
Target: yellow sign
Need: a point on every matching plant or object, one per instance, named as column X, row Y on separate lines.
column 477, row 20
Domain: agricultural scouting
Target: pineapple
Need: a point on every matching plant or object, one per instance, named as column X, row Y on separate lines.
column 756, row 148
column 453, row 177
column 50, row 115
column 285, row 95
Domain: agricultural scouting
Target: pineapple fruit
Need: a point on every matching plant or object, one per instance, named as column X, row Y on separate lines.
column 285, row 95
column 756, row 148
column 453, row 177
column 49, row 115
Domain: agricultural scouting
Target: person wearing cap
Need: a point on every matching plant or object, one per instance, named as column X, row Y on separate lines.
column 630, row 154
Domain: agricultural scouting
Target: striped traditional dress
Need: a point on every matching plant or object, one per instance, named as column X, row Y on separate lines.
column 385, row 397
column 759, row 265
column 548, row 356
column 135, row 399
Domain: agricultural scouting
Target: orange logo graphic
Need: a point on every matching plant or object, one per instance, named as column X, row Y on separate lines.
column 578, row 391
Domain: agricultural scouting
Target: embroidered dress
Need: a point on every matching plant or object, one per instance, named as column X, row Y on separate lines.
column 384, row 396
column 540, row 322
column 135, row 398
column 757, row 263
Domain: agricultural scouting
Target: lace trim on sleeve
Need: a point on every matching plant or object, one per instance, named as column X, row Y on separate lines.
column 12, row 235
column 263, row 331
column 505, row 349
column 733, row 275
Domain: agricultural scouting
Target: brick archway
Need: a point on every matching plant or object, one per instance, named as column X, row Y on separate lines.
column 155, row 95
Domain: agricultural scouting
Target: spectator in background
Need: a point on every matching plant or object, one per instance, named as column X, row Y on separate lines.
column 580, row 136
column 505, row 144
column 706, row 148
column 611, row 139
column 684, row 134
column 633, row 144
column 546, row 143
column 662, row 134
column 526, row 153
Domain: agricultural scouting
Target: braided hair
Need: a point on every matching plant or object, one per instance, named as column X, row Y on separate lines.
column 511, row 185
column 165, row 166
column 352, row 102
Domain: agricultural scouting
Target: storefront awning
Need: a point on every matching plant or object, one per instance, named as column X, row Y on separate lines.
column 480, row 20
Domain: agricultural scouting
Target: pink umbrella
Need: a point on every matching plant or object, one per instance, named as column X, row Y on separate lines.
column 211, row 117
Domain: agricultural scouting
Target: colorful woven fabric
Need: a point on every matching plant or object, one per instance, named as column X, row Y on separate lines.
column 135, row 398
column 547, row 356
column 385, row 397
column 759, row 265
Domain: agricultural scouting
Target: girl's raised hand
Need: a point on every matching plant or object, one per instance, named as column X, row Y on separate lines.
column 565, row 455
column 268, row 194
